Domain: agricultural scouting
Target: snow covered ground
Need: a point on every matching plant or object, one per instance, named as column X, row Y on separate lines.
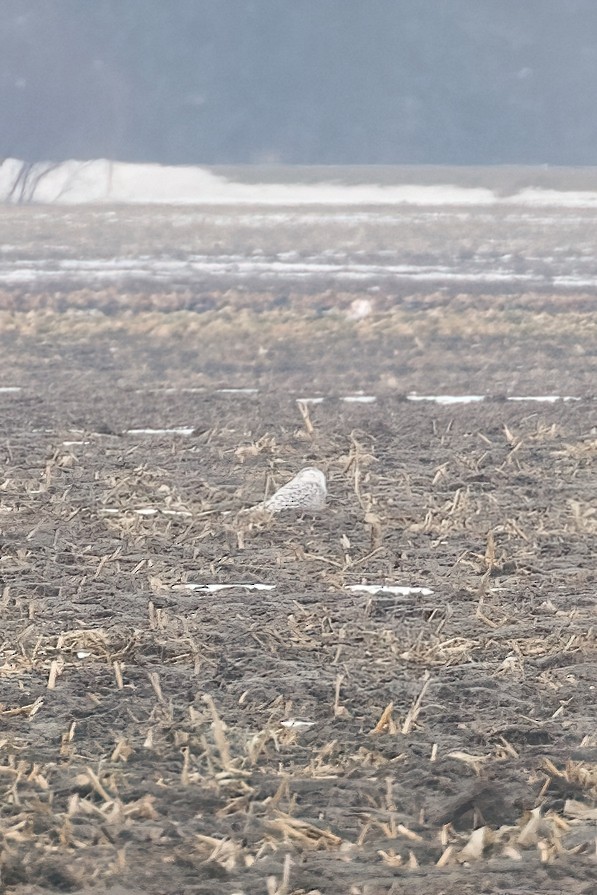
column 103, row 181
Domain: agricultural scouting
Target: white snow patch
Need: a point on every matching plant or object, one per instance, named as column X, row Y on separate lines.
column 360, row 399
column 389, row 589
column 171, row 391
column 447, row 399
column 471, row 399
column 100, row 180
column 296, row 723
column 575, row 282
column 237, row 391
column 177, row 430
column 548, row 399
column 535, row 197
column 9, row 389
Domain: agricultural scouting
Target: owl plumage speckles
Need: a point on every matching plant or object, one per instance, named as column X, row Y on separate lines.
column 306, row 492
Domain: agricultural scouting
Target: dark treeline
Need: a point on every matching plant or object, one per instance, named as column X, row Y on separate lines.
column 300, row 81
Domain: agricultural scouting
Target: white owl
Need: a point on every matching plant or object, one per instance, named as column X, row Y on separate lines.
column 305, row 492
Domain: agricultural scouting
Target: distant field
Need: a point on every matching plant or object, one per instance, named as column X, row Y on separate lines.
column 390, row 253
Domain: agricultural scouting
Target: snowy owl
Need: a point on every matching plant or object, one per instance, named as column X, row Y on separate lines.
column 305, row 492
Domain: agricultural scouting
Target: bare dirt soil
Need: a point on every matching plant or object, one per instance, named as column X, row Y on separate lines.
column 160, row 738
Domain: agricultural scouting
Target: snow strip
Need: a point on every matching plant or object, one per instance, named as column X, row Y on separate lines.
column 296, row 723
column 180, row 430
column 447, row 399
column 548, row 399
column 237, row 391
column 389, row 589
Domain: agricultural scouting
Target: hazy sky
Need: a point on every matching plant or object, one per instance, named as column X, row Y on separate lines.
column 300, row 81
